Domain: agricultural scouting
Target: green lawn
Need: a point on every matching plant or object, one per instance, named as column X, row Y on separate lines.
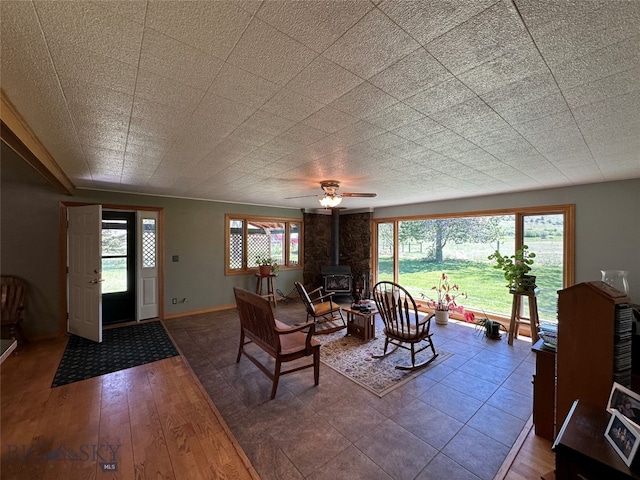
column 114, row 275
column 485, row 286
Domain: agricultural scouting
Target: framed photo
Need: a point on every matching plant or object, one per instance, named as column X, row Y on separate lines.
column 625, row 402
column 623, row 437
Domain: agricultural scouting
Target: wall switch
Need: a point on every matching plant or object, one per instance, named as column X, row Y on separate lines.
column 175, row 258
column 174, row 301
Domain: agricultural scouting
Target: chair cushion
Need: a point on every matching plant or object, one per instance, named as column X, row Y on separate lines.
column 409, row 334
column 293, row 342
column 326, row 307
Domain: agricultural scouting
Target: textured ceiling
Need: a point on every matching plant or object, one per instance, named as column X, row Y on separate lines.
column 255, row 101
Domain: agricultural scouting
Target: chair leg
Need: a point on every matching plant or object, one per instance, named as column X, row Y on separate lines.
column 20, row 331
column 241, row 345
column 12, row 331
column 316, row 365
column 276, row 377
column 413, row 355
column 384, row 352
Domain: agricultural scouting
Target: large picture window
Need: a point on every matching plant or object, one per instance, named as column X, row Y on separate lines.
column 415, row 251
column 249, row 237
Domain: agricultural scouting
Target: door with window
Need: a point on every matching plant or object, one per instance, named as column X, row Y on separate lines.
column 147, row 265
column 118, row 267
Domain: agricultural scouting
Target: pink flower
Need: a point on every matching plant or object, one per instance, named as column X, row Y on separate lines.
column 446, row 298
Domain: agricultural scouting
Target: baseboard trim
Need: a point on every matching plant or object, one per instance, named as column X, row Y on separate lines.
column 513, row 453
column 199, row 312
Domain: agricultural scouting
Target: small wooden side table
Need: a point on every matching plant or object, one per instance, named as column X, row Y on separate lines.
column 270, row 291
column 516, row 317
column 360, row 324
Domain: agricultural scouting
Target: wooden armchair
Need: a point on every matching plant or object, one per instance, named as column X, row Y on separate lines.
column 282, row 342
column 321, row 308
column 14, row 291
column 402, row 325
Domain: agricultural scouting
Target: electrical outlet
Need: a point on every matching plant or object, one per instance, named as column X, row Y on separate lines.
column 174, row 301
column 175, row 258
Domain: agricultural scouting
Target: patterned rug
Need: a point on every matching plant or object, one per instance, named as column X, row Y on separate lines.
column 353, row 358
column 121, row 348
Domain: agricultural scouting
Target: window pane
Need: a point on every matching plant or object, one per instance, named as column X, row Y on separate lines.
column 236, row 247
column 294, row 243
column 148, row 243
column 114, row 275
column 459, row 247
column 278, row 239
column 265, row 240
column 114, row 238
column 544, row 234
column 385, row 252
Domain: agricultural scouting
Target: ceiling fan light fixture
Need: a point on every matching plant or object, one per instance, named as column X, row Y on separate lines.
column 329, row 201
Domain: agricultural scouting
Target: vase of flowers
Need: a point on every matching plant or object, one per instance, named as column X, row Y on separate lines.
column 445, row 301
column 267, row 265
column 516, row 268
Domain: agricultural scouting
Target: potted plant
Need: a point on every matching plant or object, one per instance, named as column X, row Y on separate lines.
column 267, row 265
column 491, row 327
column 515, row 268
column 445, row 300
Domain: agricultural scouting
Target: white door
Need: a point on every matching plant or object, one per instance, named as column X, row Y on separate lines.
column 147, row 265
column 84, row 241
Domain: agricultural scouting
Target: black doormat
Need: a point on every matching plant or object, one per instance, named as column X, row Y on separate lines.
column 121, row 348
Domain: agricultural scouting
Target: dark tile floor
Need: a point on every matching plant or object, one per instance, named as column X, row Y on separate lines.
column 457, row 420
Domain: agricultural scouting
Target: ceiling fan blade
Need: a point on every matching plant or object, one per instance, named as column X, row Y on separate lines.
column 301, row 196
column 370, row 195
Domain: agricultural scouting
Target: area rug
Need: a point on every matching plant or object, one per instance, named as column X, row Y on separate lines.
column 121, row 348
column 353, row 358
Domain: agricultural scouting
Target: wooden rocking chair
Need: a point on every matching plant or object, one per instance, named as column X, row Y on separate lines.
column 322, row 309
column 402, row 325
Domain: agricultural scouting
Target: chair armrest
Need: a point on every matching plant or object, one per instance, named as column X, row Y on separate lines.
column 426, row 319
column 312, row 330
column 321, row 298
column 315, row 291
column 295, row 328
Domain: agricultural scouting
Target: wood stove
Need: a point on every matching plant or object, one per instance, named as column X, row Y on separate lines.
column 337, row 279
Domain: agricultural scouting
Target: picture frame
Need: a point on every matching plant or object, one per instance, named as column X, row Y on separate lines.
column 626, row 402
column 623, row 437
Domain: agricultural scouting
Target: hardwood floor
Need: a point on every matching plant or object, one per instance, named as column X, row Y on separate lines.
column 534, row 459
column 156, row 417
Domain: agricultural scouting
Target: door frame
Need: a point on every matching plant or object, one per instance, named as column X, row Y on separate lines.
column 63, row 255
column 113, row 301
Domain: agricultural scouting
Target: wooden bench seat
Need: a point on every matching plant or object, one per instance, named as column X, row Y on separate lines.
column 282, row 342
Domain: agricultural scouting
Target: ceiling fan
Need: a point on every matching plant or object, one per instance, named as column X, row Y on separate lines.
column 331, row 197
